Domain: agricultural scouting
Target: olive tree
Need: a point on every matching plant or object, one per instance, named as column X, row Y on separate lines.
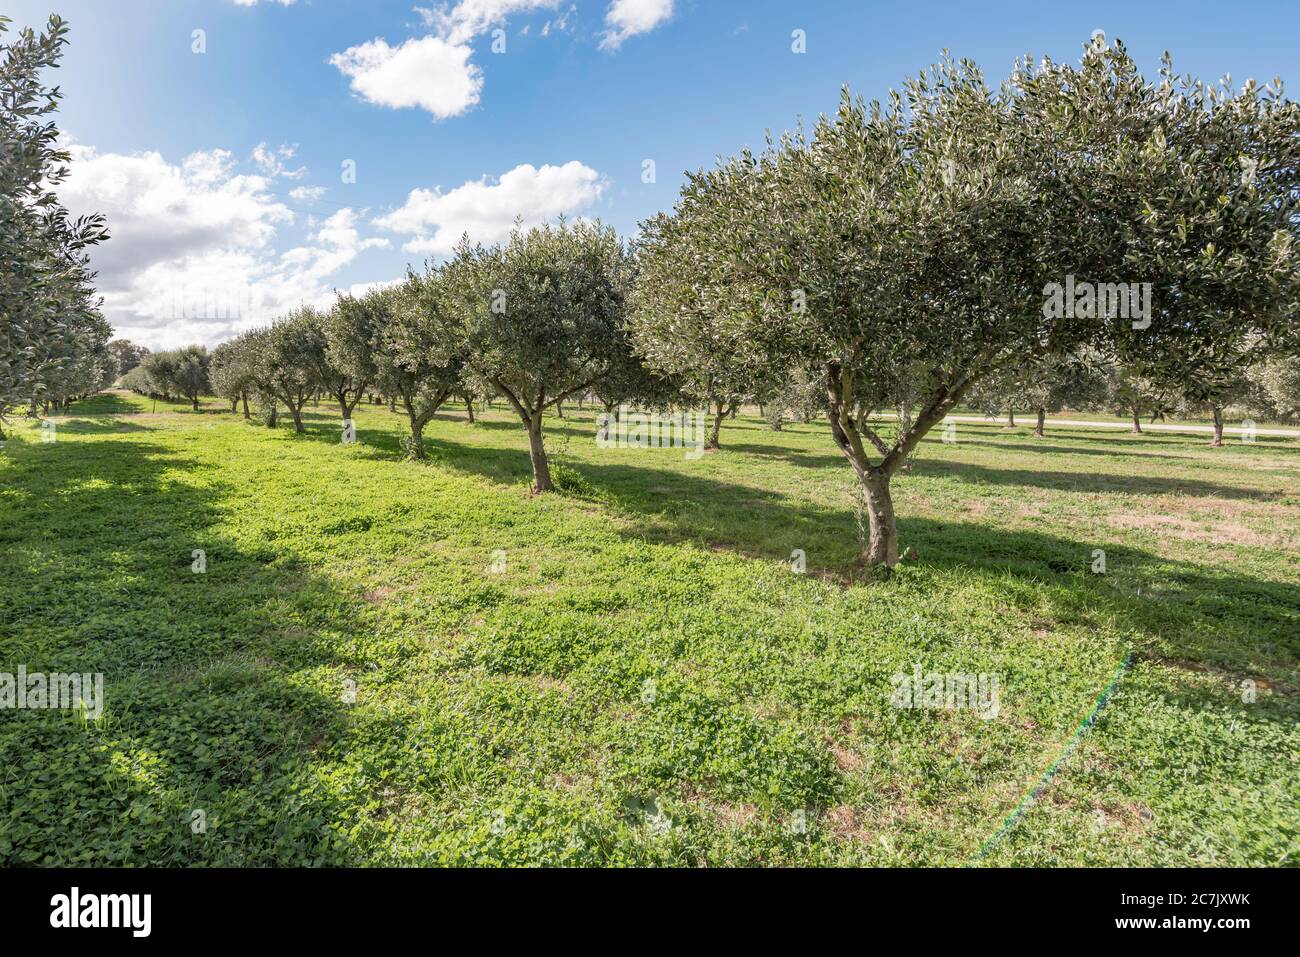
column 541, row 317
column 50, row 324
column 160, row 373
column 1277, row 381
column 230, row 370
column 81, row 364
column 913, row 248
column 891, row 252
column 681, row 320
column 324, row 333
column 401, row 339
column 283, row 366
column 190, row 373
column 1208, row 214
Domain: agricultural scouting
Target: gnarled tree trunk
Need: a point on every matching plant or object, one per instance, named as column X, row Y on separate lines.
column 1042, row 420
column 881, row 548
column 882, row 526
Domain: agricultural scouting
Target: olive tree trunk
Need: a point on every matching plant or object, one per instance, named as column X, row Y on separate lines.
column 537, row 452
column 347, row 408
column 1042, row 421
column 1218, row 427
column 419, row 418
column 880, row 550
column 712, row 441
column 882, row 526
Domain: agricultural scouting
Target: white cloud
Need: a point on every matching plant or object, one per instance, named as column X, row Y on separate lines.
column 627, row 18
column 469, row 18
column 487, row 210
column 361, row 288
column 561, row 23
column 272, row 161
column 430, row 73
column 192, row 254
column 308, row 194
column 253, row 3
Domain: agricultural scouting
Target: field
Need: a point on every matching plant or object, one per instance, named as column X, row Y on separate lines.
column 388, row 662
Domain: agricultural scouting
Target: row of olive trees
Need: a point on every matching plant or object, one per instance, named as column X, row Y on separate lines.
column 53, row 340
column 536, row 320
column 1266, row 386
column 172, row 373
column 898, row 258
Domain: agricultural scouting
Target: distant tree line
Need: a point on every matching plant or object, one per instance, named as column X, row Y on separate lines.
column 172, row 374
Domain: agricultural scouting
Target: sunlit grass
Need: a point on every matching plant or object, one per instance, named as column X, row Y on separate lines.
column 646, row 646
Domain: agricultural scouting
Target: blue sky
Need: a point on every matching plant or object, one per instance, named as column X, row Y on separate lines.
column 222, row 171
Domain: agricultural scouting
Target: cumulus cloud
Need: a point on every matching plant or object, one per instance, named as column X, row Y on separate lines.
column 432, row 72
column 628, row 18
column 193, row 254
column 486, row 209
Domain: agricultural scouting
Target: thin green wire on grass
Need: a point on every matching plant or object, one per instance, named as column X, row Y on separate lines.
column 1050, row 773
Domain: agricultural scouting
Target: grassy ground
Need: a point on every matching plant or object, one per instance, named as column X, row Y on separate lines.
column 644, row 680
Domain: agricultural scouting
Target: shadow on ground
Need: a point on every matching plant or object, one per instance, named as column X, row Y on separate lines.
column 222, row 689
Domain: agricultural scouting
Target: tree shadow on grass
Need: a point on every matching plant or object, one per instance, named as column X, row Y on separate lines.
column 983, row 475
column 103, row 403
column 222, row 690
column 807, row 458
column 1269, row 444
column 1225, row 619
column 1213, row 614
column 100, row 425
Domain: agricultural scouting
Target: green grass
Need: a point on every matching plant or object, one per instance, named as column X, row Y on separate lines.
column 647, row 646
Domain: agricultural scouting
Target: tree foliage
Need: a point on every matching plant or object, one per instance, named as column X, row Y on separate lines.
column 541, row 318
column 906, row 249
column 52, row 337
